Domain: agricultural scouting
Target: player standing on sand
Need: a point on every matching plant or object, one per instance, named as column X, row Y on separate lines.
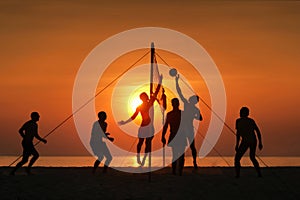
column 146, row 129
column 29, row 131
column 177, row 138
column 190, row 113
column 97, row 143
column 246, row 128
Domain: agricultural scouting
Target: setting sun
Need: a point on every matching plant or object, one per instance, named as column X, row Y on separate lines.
column 134, row 98
column 134, row 103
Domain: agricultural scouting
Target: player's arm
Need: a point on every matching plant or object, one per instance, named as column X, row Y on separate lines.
column 153, row 97
column 131, row 118
column 198, row 115
column 179, row 90
column 108, row 137
column 164, row 131
column 164, row 99
column 158, row 86
column 37, row 136
column 105, row 133
column 103, row 127
column 21, row 131
column 258, row 133
column 238, row 136
column 237, row 140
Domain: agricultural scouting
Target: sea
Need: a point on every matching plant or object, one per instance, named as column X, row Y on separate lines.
column 130, row 161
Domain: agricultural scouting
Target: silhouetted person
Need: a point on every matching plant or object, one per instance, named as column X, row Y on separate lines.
column 98, row 144
column 146, row 130
column 190, row 113
column 177, row 138
column 29, row 131
column 246, row 128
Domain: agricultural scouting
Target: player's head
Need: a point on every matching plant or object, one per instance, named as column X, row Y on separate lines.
column 144, row 96
column 35, row 116
column 102, row 116
column 194, row 99
column 175, row 103
column 244, row 112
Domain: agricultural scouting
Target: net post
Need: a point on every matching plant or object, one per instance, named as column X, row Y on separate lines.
column 151, row 93
column 151, row 67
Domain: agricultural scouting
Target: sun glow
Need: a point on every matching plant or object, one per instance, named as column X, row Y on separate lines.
column 135, row 102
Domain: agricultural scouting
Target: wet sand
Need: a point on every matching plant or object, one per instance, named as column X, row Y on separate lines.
column 204, row 183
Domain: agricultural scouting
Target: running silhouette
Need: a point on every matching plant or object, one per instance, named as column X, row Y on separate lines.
column 29, row 131
column 177, row 139
column 190, row 113
column 146, row 129
column 98, row 144
column 246, row 128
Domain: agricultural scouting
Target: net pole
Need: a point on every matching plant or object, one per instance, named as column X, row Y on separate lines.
column 152, row 113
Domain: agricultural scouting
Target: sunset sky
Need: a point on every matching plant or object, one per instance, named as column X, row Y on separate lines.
column 254, row 44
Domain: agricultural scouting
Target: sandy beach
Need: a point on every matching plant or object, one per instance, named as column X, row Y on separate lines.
column 205, row 183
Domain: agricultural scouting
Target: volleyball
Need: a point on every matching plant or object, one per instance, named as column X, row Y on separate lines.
column 173, row 72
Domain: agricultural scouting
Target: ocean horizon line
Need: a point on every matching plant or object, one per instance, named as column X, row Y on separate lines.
column 157, row 161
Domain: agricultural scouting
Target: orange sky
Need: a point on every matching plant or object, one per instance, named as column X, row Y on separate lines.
column 254, row 44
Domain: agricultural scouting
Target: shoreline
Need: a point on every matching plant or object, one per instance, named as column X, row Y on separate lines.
column 130, row 161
